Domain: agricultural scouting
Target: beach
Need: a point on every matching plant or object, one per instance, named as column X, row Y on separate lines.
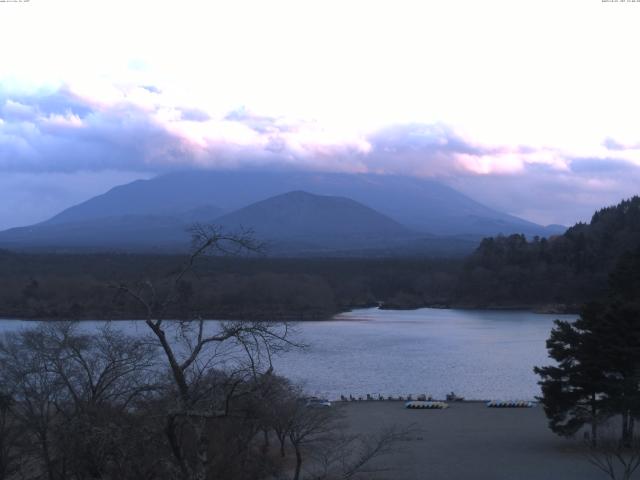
column 470, row 441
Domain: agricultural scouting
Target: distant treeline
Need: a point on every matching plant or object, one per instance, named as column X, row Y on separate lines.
column 79, row 286
column 561, row 272
column 568, row 269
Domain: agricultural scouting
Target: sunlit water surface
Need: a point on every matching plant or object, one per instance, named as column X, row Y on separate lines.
column 477, row 354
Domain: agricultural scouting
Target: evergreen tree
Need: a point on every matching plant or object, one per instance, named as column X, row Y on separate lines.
column 597, row 375
column 573, row 391
column 619, row 334
column 621, row 340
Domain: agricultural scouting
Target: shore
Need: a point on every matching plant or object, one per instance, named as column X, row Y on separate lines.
column 301, row 316
column 470, row 441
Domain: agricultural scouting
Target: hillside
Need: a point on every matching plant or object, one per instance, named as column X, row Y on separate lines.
column 316, row 220
column 566, row 269
column 135, row 232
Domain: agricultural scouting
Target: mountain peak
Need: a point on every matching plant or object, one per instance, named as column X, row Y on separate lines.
column 421, row 204
column 322, row 211
column 299, row 214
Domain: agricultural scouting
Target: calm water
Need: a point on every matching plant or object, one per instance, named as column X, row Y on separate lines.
column 477, row 354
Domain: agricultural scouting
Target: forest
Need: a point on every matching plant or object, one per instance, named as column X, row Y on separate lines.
column 79, row 286
column 551, row 274
column 563, row 270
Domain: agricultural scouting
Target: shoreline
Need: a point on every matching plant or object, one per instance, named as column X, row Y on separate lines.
column 545, row 309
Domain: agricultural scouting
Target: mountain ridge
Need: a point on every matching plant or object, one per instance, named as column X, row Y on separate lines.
column 293, row 223
column 420, row 204
column 366, row 213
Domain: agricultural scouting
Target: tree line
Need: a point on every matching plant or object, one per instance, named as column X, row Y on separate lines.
column 57, row 286
column 568, row 269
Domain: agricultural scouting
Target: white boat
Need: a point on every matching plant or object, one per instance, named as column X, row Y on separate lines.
column 421, row 404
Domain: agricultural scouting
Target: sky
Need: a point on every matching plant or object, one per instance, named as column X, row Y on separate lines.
column 530, row 107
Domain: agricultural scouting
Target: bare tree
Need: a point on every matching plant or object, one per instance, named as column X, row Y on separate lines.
column 192, row 347
column 103, row 373
column 280, row 407
column 37, row 393
column 72, row 394
column 10, row 436
column 309, row 425
column 109, row 367
column 616, row 458
column 350, row 456
column 333, row 453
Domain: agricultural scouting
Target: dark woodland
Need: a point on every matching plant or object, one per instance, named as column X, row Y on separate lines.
column 545, row 274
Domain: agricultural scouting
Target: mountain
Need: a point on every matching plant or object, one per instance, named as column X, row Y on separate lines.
column 131, row 232
column 200, row 214
column 292, row 224
column 125, row 232
column 322, row 213
column 317, row 221
column 420, row 204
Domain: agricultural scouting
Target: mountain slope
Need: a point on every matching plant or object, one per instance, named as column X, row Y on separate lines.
column 325, row 221
column 420, row 204
column 292, row 223
column 566, row 269
column 132, row 232
column 125, row 232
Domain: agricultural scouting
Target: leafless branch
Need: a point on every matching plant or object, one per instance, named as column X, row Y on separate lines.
column 612, row 457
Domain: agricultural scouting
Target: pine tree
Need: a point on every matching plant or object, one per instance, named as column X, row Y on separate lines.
column 573, row 391
column 619, row 334
column 597, row 375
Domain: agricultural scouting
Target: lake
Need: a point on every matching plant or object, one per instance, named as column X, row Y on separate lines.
column 478, row 354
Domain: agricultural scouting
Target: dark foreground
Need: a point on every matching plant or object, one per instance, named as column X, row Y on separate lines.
column 471, row 441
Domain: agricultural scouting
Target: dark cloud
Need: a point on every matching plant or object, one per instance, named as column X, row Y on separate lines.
column 602, row 166
column 194, row 115
column 15, row 111
column 60, row 132
column 151, row 89
column 59, row 102
column 612, row 144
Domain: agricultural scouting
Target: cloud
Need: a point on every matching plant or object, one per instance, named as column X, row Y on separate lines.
column 613, row 144
column 139, row 128
column 93, row 128
column 550, row 196
column 600, row 166
column 96, row 126
column 62, row 132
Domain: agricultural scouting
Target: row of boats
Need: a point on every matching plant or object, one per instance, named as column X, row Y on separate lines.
column 422, row 404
